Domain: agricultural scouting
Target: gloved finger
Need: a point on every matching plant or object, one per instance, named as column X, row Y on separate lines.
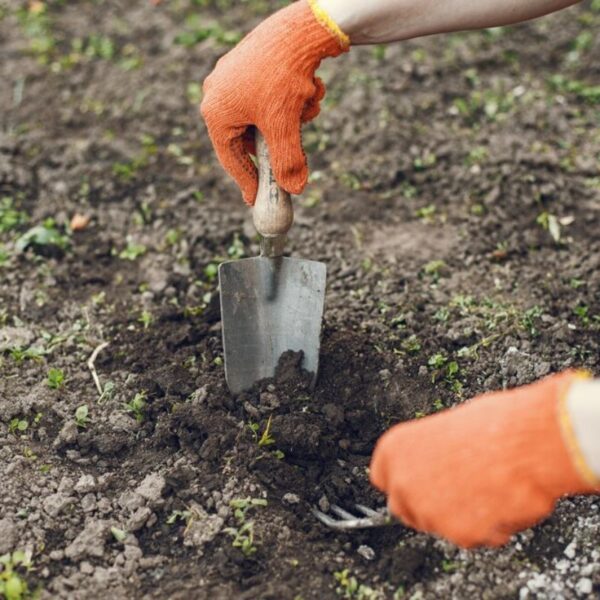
column 232, row 154
column 288, row 160
column 312, row 106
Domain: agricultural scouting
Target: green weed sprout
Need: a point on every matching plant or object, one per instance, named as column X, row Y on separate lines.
column 12, row 585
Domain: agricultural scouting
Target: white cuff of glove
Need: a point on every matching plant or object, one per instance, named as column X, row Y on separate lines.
column 583, row 405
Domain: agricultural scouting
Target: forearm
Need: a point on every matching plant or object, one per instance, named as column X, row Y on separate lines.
column 583, row 406
column 380, row 21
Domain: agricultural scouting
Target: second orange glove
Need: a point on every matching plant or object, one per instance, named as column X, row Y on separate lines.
column 480, row 472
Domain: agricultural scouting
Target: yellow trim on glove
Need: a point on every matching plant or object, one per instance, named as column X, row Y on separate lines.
column 570, row 437
column 325, row 19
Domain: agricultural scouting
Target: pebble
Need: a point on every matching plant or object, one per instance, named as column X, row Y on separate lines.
column 324, row 504
column 139, row 518
column 584, row 586
column 88, row 503
column 570, row 550
column 366, row 552
column 290, row 498
column 55, row 503
column 85, row 484
column 152, row 488
column 90, row 542
column 86, row 568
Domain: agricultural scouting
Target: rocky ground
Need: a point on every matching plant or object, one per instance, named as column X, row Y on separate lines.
column 455, row 198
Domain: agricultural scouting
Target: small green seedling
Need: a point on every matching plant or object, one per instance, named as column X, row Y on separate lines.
column 137, row 406
column 550, row 224
column 132, row 251
column 530, row 318
column 243, row 534
column 118, row 534
column 17, row 425
column 146, row 319
column 582, row 311
column 81, row 416
column 437, row 361
column 266, row 439
column 12, row 584
column 179, row 515
column 433, row 269
column 56, row 379
column 211, row 271
column 45, row 235
column 10, row 218
column 236, row 250
column 19, row 354
column 349, row 587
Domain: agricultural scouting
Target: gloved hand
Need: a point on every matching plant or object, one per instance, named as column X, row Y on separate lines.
column 480, row 472
column 268, row 81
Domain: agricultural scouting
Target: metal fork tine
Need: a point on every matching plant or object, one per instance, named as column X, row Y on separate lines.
column 348, row 521
column 342, row 513
column 325, row 519
column 365, row 510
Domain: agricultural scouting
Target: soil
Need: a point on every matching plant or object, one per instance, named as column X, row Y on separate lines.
column 455, row 198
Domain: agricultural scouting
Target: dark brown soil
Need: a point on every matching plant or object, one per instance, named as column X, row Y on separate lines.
column 440, row 168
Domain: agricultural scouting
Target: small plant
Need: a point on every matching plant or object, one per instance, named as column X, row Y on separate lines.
column 266, row 439
column 582, row 311
column 179, row 515
column 586, row 92
column 476, row 155
column 81, row 416
column 550, row 224
column 146, row 319
column 18, row 425
column 56, row 379
column 424, row 162
column 243, row 534
column 118, row 534
column 529, row 319
column 19, row 354
column 10, row 218
column 433, row 269
column 426, row 213
column 137, row 406
column 195, row 33
column 442, row 314
column 437, row 361
column 173, row 237
column 236, row 250
column 132, row 251
column 12, row 584
column 349, row 587
column 211, row 271
column 42, row 236
column 411, row 344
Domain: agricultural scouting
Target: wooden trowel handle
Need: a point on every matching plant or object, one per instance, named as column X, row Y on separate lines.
column 273, row 211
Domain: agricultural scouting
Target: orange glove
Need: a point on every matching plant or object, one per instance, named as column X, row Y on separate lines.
column 268, row 81
column 480, row 472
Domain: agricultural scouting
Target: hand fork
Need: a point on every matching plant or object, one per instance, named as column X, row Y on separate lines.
column 344, row 520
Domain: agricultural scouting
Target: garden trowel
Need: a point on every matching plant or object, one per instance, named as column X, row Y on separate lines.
column 271, row 303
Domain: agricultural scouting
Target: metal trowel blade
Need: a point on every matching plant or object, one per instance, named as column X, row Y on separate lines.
column 269, row 306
